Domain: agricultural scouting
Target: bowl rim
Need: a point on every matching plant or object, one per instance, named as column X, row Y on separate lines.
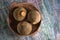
column 13, row 30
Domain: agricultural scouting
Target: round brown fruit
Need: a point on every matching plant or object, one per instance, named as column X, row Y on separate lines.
column 19, row 13
column 34, row 17
column 24, row 28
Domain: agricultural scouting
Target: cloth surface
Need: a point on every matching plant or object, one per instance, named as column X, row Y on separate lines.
column 49, row 26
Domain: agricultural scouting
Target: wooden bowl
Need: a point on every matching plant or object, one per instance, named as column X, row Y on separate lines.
column 12, row 22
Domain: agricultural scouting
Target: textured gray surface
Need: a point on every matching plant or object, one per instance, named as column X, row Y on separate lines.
column 49, row 26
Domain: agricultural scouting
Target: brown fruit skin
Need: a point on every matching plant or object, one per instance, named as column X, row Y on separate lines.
column 34, row 17
column 24, row 28
column 19, row 13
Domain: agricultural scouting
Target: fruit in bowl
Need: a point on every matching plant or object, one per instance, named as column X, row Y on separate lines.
column 34, row 17
column 24, row 28
column 19, row 13
column 24, row 19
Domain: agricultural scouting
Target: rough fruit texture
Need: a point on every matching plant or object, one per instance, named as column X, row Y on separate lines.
column 24, row 28
column 34, row 17
column 19, row 13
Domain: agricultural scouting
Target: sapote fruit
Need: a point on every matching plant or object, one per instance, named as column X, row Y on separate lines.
column 34, row 17
column 19, row 13
column 24, row 28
